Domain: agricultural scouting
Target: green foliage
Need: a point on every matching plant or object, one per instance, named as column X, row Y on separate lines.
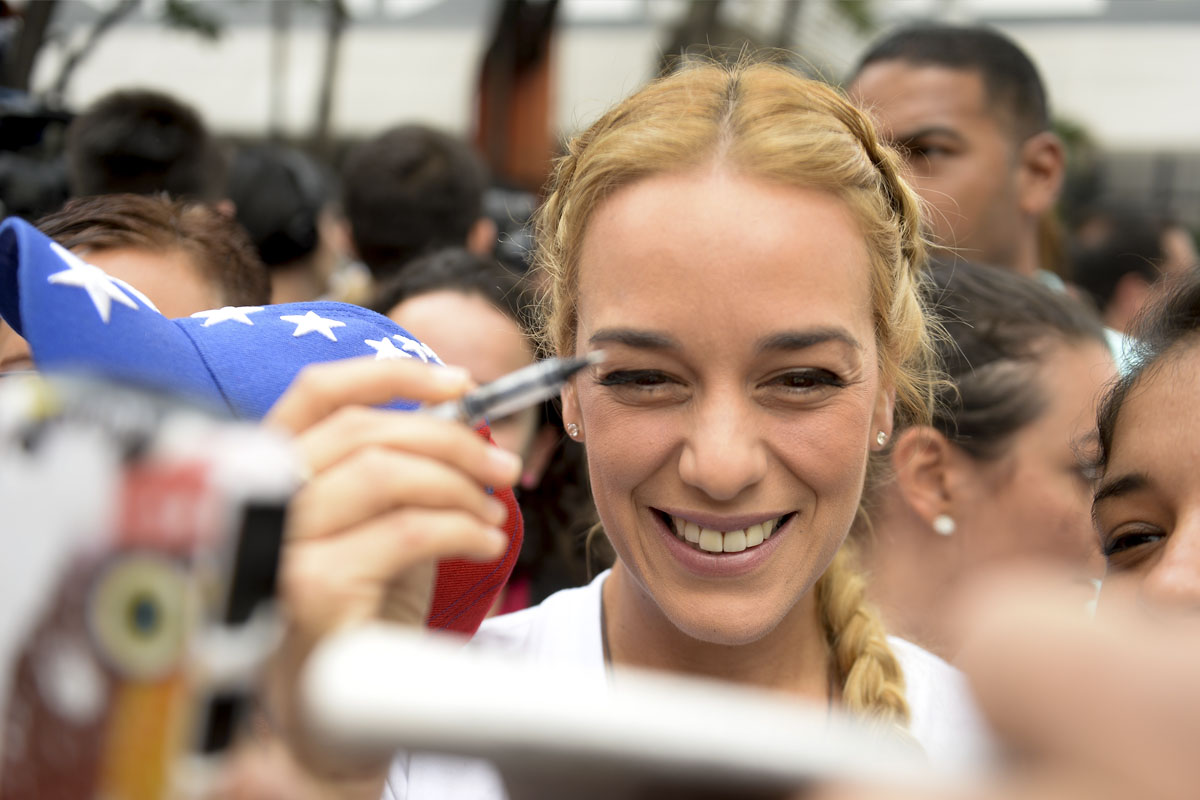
column 857, row 13
column 190, row 15
column 1074, row 135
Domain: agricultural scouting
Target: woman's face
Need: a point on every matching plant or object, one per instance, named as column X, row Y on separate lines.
column 1147, row 507
column 467, row 331
column 740, row 394
column 1033, row 502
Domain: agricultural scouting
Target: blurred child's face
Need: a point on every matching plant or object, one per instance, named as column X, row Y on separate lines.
column 468, row 331
column 171, row 279
column 1147, row 507
column 14, row 351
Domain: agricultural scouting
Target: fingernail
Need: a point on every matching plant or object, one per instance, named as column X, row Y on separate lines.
column 497, row 511
column 499, row 540
column 504, row 461
column 452, row 377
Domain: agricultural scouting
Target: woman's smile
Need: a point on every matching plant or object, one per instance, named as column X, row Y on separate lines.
column 724, row 535
column 717, row 549
column 725, row 442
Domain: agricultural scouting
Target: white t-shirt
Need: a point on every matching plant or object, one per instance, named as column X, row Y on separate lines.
column 564, row 630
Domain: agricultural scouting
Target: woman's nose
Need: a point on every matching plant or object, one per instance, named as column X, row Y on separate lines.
column 1174, row 581
column 724, row 453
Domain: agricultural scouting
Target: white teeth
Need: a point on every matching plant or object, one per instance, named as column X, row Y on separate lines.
column 711, row 540
column 714, row 541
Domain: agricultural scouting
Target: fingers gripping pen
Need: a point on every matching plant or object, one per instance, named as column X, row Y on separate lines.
column 515, row 391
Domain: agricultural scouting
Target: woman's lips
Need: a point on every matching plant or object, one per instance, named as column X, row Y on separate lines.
column 722, row 552
column 728, row 540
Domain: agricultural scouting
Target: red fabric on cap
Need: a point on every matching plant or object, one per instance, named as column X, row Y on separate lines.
column 466, row 590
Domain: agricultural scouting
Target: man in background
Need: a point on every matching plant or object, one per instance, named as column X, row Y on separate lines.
column 284, row 200
column 144, row 142
column 184, row 257
column 1118, row 255
column 967, row 109
column 410, row 191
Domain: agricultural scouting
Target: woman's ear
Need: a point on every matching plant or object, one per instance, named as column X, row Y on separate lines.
column 572, row 419
column 882, row 419
column 922, row 461
column 1042, row 170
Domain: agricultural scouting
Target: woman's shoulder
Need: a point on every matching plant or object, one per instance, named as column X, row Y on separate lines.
column 564, row 626
column 945, row 718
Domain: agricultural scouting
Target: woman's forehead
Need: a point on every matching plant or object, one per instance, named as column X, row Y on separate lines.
column 1156, row 414
column 732, row 248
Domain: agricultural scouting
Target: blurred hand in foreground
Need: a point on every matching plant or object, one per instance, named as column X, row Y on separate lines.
column 389, row 494
column 1099, row 709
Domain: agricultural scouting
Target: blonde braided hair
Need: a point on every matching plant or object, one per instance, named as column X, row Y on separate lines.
column 870, row 676
column 769, row 123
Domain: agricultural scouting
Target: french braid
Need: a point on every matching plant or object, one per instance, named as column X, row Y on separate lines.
column 772, row 123
column 870, row 676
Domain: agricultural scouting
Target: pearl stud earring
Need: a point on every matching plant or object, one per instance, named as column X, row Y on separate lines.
column 881, row 438
column 572, row 430
column 944, row 525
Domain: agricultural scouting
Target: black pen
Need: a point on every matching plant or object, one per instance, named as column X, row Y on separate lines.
column 515, row 391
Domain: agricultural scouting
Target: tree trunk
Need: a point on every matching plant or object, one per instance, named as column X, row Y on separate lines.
column 22, row 56
column 322, row 144
column 75, row 57
column 281, row 23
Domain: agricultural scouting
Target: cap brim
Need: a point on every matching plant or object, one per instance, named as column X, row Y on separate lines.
column 78, row 320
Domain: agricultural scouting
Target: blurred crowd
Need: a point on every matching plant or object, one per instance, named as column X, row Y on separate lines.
column 1035, row 530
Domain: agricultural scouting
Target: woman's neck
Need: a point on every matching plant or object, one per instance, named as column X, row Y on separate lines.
column 793, row 657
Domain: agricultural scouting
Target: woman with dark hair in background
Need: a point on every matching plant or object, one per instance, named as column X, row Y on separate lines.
column 1147, row 504
column 995, row 478
column 473, row 312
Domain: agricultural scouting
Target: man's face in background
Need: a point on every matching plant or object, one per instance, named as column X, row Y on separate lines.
column 961, row 152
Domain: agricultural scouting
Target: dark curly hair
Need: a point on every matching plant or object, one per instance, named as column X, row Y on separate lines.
column 1163, row 329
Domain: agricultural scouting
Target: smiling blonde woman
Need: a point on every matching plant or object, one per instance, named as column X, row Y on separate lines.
column 742, row 247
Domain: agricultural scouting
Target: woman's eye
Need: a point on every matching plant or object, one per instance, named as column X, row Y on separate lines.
column 1126, row 548
column 634, row 378
column 807, row 380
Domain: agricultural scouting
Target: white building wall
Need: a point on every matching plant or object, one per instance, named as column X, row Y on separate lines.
column 1133, row 85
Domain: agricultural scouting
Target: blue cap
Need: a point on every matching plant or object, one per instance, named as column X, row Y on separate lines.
column 77, row 318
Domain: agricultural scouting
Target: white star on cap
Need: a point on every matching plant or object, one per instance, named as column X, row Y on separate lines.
column 384, row 349
column 215, row 315
column 419, row 349
column 96, row 282
column 313, row 323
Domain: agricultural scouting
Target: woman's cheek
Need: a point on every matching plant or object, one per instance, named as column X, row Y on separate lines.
column 816, row 450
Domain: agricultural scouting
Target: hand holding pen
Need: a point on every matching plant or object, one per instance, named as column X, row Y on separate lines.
column 390, row 492
column 515, row 391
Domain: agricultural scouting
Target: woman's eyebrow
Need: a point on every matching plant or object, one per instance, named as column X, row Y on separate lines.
column 632, row 337
column 804, row 339
column 1118, row 486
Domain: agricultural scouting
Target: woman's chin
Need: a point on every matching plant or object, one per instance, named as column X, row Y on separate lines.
column 730, row 624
